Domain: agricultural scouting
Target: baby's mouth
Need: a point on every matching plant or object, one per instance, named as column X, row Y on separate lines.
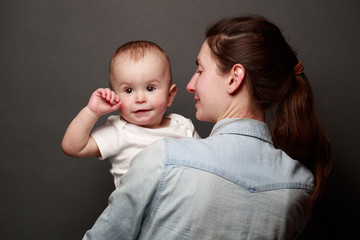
column 142, row 111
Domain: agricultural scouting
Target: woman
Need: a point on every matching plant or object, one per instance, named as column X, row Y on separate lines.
column 246, row 180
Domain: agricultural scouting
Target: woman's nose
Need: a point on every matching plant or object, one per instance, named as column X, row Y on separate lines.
column 191, row 85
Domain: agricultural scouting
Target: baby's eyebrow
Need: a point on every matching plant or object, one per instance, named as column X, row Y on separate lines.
column 124, row 84
column 153, row 81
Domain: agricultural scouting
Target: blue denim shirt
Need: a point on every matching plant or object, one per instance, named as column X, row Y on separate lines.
column 232, row 185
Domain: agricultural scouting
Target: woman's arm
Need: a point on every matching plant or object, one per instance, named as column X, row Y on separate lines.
column 130, row 202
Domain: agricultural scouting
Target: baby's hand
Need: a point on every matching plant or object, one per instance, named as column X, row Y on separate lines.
column 103, row 101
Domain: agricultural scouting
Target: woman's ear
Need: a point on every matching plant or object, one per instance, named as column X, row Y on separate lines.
column 172, row 93
column 236, row 79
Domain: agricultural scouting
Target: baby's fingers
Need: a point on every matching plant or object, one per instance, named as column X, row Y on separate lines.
column 116, row 99
column 106, row 94
column 110, row 96
column 115, row 106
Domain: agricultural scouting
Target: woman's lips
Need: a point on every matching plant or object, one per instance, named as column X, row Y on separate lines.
column 197, row 100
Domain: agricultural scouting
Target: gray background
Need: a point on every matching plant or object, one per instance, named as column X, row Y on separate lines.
column 53, row 54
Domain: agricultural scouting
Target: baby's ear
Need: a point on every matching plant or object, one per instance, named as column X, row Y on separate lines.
column 172, row 93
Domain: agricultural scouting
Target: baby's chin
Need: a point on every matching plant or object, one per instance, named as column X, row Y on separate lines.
column 147, row 123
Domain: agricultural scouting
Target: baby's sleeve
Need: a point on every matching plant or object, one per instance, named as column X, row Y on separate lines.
column 107, row 138
column 191, row 131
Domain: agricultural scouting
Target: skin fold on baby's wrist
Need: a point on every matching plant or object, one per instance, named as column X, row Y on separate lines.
column 93, row 113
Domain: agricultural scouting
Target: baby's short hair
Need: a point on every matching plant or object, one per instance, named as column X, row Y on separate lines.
column 137, row 50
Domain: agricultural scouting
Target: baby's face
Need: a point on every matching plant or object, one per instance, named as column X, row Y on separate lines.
column 143, row 87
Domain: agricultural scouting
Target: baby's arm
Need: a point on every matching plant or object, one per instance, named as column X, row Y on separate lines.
column 77, row 141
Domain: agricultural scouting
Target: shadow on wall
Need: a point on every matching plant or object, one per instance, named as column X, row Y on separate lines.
column 335, row 214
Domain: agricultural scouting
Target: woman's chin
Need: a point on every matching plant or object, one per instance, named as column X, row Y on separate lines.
column 202, row 117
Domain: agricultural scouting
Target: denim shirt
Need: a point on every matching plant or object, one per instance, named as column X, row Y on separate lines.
column 232, row 185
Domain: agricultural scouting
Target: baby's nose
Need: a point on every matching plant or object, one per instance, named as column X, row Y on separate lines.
column 140, row 98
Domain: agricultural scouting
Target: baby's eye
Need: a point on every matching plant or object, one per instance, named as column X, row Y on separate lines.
column 150, row 88
column 129, row 90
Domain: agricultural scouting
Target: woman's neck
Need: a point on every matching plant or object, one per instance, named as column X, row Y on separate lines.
column 242, row 109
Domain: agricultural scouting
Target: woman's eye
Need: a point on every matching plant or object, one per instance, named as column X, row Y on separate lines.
column 129, row 90
column 150, row 88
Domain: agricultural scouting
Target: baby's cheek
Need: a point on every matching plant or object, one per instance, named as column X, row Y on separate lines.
column 161, row 106
column 124, row 107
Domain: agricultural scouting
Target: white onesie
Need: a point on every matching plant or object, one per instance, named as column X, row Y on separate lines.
column 121, row 141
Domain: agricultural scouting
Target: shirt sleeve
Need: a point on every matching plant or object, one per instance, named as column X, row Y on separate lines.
column 130, row 201
column 191, row 131
column 196, row 135
column 108, row 137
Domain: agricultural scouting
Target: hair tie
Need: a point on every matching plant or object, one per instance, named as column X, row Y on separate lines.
column 298, row 69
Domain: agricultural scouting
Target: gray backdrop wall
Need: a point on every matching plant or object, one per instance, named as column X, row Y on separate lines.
column 53, row 54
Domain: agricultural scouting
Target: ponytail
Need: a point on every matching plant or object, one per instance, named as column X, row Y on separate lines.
column 296, row 129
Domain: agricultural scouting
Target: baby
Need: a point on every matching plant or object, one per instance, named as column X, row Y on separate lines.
column 141, row 89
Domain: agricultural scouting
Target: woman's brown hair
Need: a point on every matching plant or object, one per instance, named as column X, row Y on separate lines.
column 274, row 87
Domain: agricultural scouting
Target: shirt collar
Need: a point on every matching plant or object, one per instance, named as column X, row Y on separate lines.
column 248, row 127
